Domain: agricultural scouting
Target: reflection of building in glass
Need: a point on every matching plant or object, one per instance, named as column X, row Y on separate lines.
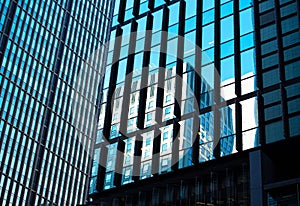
column 249, row 114
column 227, row 130
column 166, row 130
column 48, row 95
column 185, row 135
column 227, row 152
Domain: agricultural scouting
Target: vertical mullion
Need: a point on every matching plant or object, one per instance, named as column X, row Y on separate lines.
column 237, row 49
column 175, row 146
column 151, row 4
column 284, row 106
column 179, row 63
column 238, row 125
column 197, row 83
column 156, row 152
column 102, row 168
column 136, row 7
column 137, row 158
column 237, row 69
column 145, row 73
column 119, row 163
column 1, row 9
column 216, row 143
column 121, row 13
column 259, row 79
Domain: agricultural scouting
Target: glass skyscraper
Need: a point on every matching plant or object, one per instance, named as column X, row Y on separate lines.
column 51, row 55
column 199, row 104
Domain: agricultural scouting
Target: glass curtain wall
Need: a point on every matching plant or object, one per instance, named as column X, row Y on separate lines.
column 197, row 88
column 51, row 55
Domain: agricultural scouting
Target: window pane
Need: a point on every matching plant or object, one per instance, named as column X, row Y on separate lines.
column 227, row 29
column 289, row 24
column 227, row 49
column 294, row 126
column 208, row 5
column 227, row 70
column 248, row 62
column 274, row 132
column 245, row 3
column 227, row 9
column 208, row 17
column 208, row 36
column 246, row 20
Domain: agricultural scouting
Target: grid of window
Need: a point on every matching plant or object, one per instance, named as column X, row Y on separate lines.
column 45, row 80
column 280, row 39
column 247, row 94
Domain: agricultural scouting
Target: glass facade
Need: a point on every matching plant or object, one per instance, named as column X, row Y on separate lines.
column 51, row 55
column 189, row 81
column 175, row 72
column 280, row 72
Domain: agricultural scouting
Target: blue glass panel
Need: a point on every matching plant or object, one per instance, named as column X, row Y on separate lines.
column 190, row 24
column 227, row 9
column 227, row 49
column 247, row 41
column 208, row 36
column 245, row 3
column 248, row 62
column 190, row 9
column 246, row 19
column 174, row 14
column 208, row 4
column 290, row 24
column 159, row 3
column 144, row 7
column 227, row 31
column 122, row 71
column 227, row 68
column 208, row 17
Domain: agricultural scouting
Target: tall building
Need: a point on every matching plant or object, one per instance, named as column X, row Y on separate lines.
column 51, row 55
column 199, row 104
